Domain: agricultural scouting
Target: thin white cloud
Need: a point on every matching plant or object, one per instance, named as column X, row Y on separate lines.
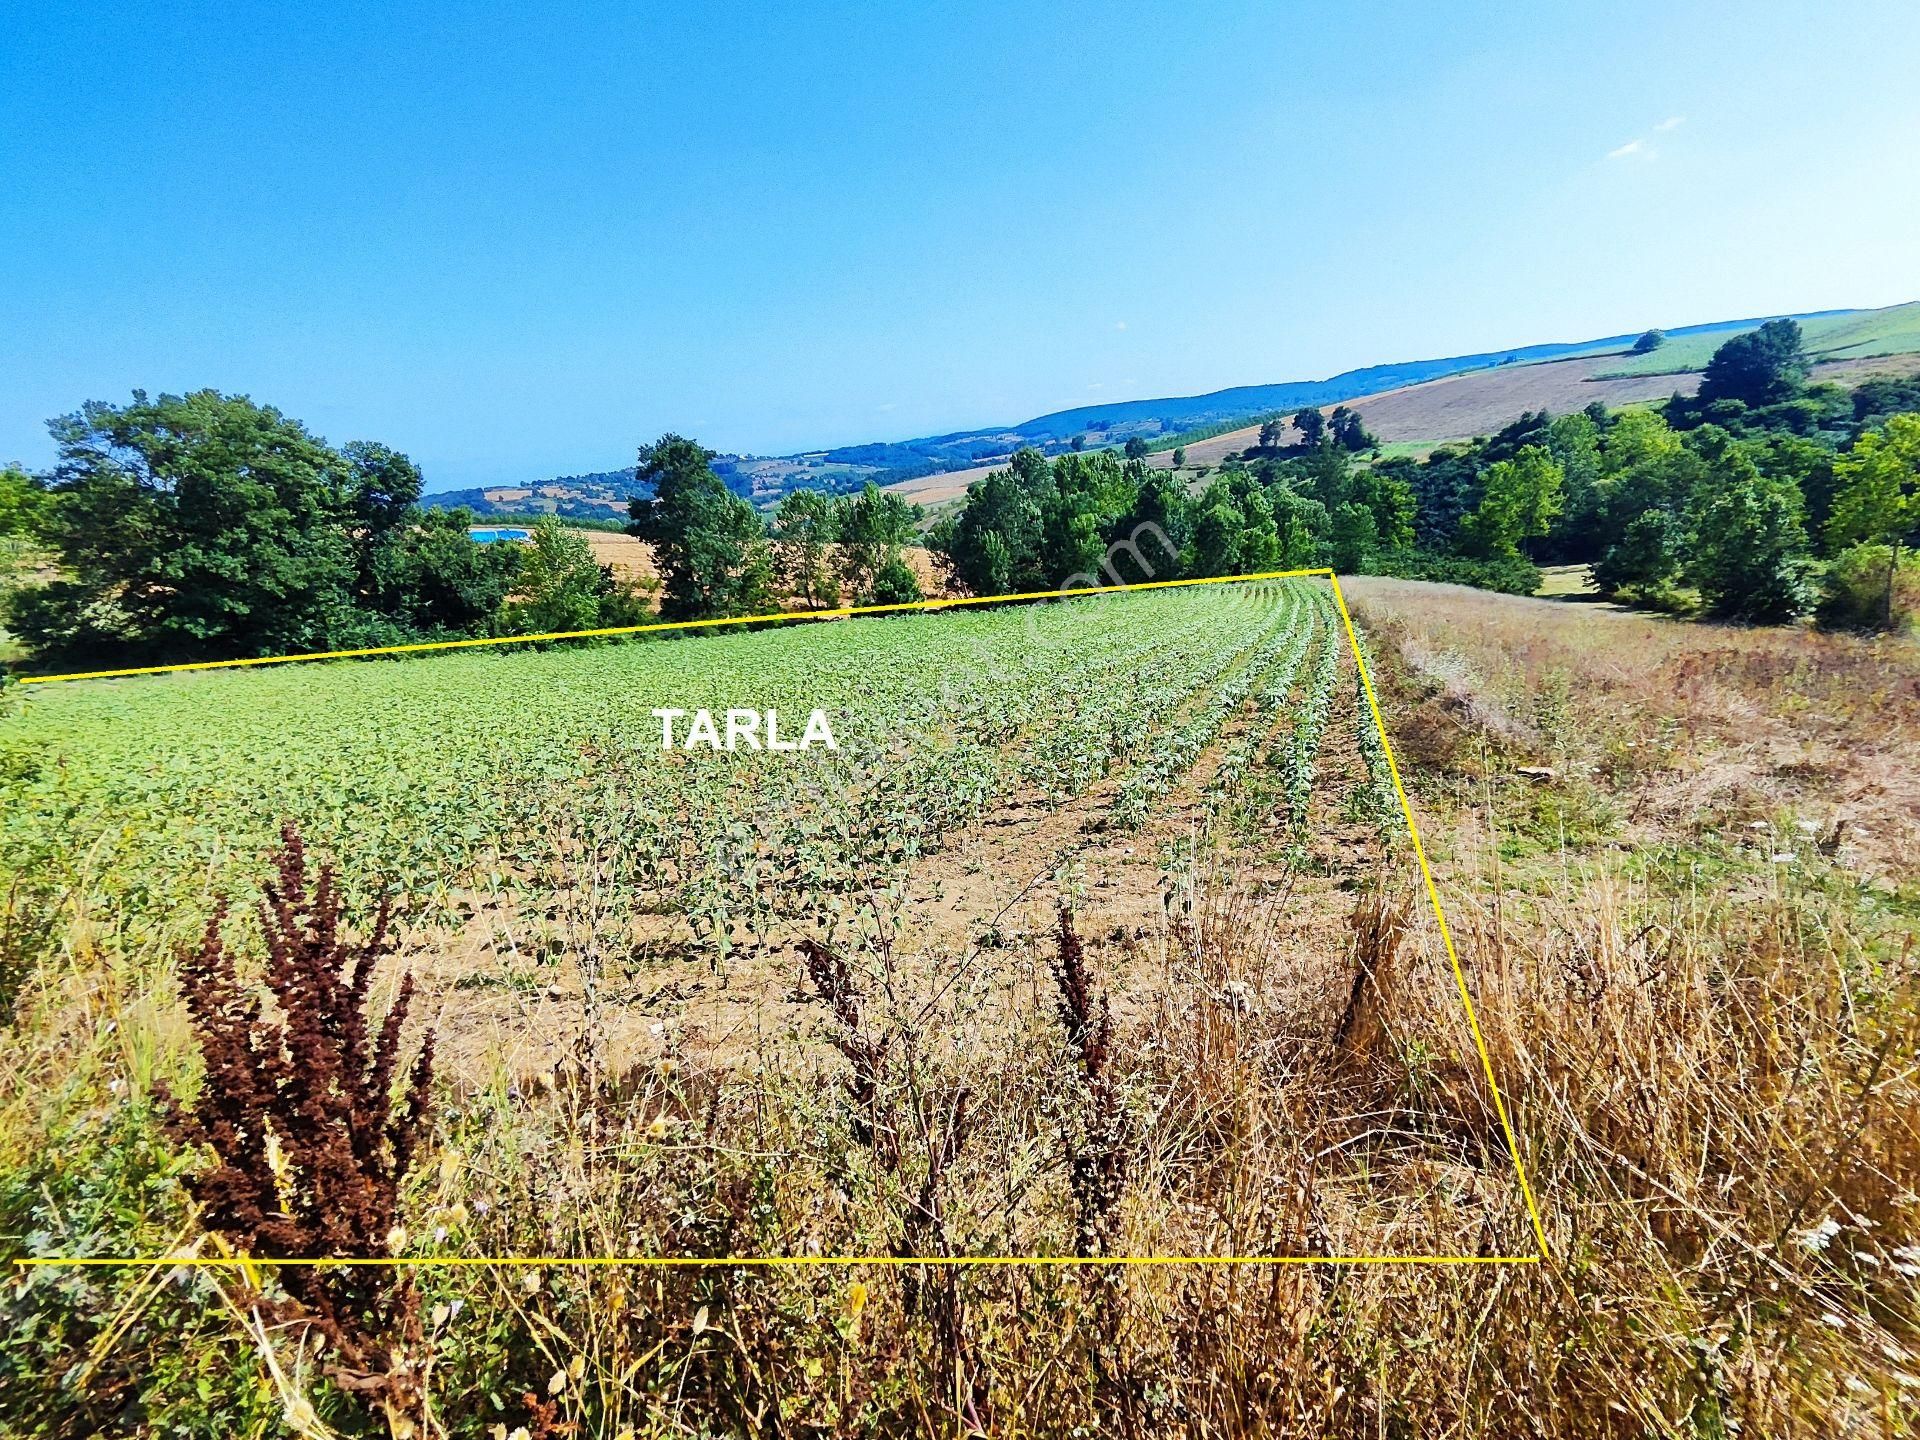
column 1639, row 144
column 1119, row 324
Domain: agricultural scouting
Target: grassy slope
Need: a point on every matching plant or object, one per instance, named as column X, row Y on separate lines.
column 1892, row 331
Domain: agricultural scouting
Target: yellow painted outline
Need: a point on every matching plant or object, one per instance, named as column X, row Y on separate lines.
column 887, row 1261
column 840, row 613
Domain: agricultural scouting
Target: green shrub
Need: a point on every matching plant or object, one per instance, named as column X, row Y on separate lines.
column 113, row 1350
column 1854, row 596
column 1513, row 575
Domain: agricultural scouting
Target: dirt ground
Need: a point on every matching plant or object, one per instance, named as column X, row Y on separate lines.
column 632, row 560
column 1461, row 407
column 978, row 911
column 951, row 485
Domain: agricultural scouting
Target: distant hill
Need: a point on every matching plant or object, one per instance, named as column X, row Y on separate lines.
column 1834, row 335
column 603, row 494
column 936, row 460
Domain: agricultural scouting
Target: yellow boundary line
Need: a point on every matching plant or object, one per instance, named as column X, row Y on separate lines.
column 770, row 1262
column 655, row 627
column 887, row 1261
column 1440, row 916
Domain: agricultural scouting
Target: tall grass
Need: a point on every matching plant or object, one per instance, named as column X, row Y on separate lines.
column 1709, row 1060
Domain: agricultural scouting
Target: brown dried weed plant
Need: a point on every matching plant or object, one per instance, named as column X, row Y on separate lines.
column 310, row 1140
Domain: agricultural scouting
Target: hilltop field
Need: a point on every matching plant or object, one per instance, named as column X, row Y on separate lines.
column 1415, row 418
column 1853, row 335
column 1415, row 403
column 1099, row 933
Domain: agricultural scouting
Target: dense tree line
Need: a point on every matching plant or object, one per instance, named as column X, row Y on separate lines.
column 1085, row 519
column 718, row 558
column 208, row 527
column 1763, row 496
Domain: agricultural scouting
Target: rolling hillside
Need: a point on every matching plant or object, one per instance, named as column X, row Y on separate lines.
column 1453, row 397
column 1847, row 335
column 603, row 494
column 1464, row 406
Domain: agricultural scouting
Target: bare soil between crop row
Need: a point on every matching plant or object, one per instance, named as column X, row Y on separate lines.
column 981, row 910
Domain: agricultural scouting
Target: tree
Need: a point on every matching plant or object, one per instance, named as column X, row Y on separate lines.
column 1648, row 478
column 1445, row 487
column 1179, row 456
column 1645, row 558
column 1273, row 433
column 1854, row 589
column 1389, row 502
column 195, row 527
column 23, row 502
column 1136, row 448
column 561, row 587
column 1301, row 525
column 1574, row 442
column 1328, row 471
column 1312, row 426
column 872, row 526
column 1519, row 499
column 1808, row 464
column 997, row 565
column 1349, row 431
column 1649, row 341
column 1089, row 493
column 1215, row 549
column 804, row 529
column 1636, row 437
column 383, row 490
column 1756, row 367
column 1748, row 544
column 708, row 544
column 418, row 570
column 1259, row 535
column 204, row 526
column 1354, row 538
column 432, row 581
column 1878, row 497
column 993, row 545
column 1147, row 541
column 895, row 583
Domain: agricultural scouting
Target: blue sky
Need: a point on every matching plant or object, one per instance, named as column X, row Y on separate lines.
column 516, row 241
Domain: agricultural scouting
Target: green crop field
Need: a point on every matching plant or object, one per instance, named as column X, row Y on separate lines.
column 1859, row 336
column 1098, row 934
column 449, row 777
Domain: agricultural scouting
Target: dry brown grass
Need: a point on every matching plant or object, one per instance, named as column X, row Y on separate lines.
column 1709, row 1060
column 1701, row 730
column 632, row 560
column 1461, row 407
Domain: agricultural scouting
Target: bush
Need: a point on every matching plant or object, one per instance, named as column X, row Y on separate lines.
column 896, row 584
column 1854, row 596
column 1515, row 575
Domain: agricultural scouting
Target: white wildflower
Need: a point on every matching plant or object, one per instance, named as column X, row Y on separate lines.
column 1816, row 1239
